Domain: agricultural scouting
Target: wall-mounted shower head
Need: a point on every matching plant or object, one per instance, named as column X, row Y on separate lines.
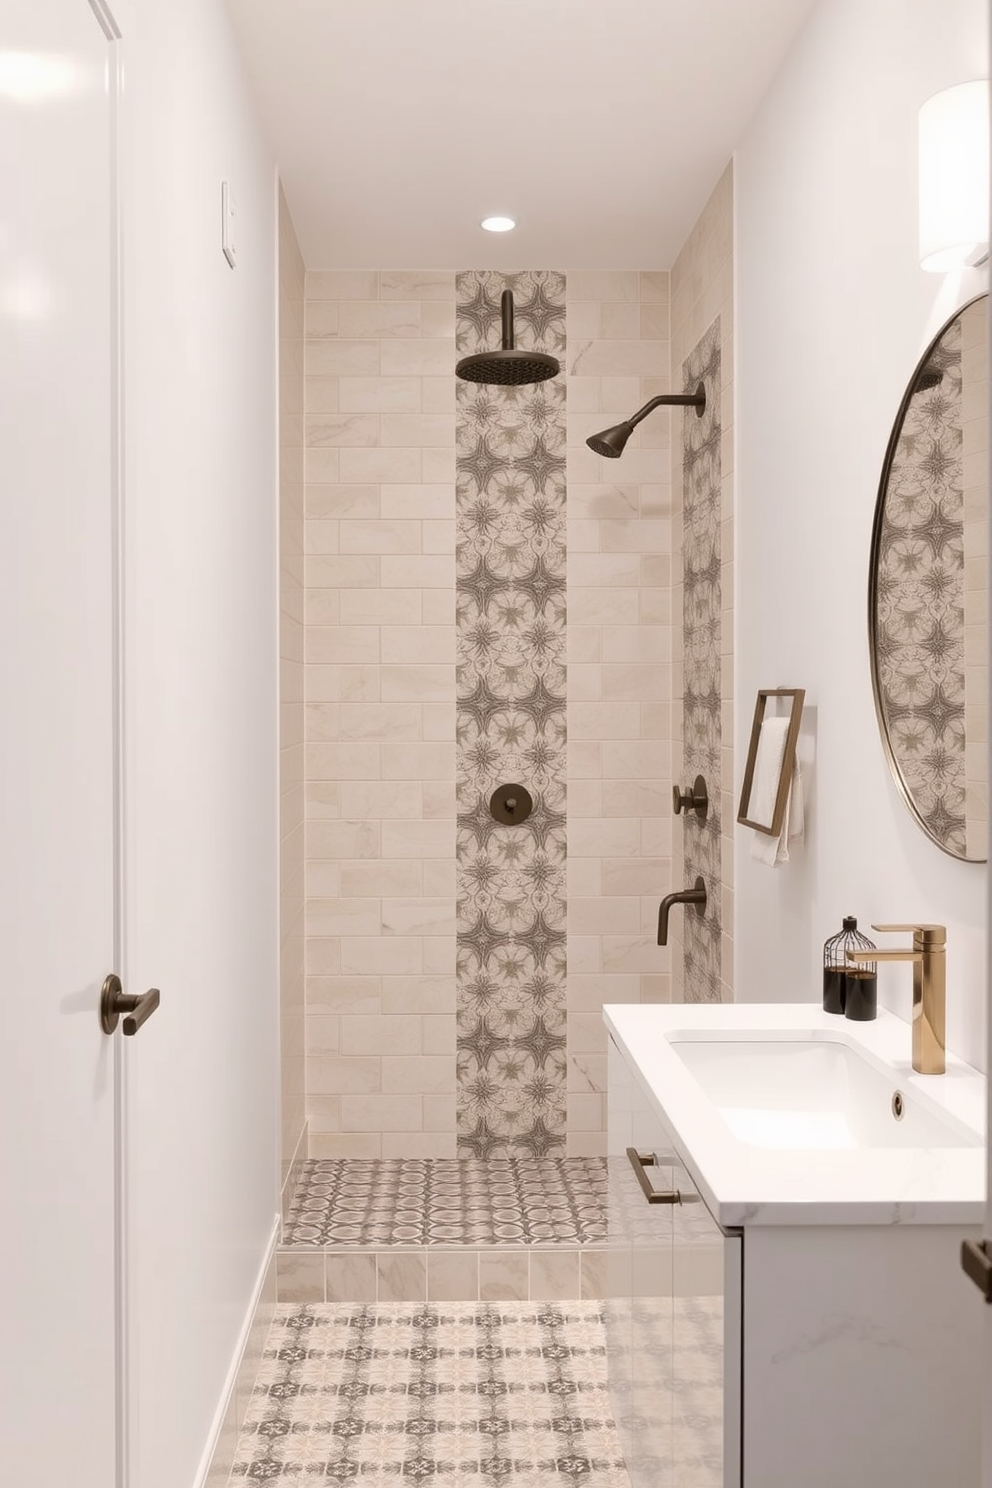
column 507, row 367
column 928, row 377
column 610, row 442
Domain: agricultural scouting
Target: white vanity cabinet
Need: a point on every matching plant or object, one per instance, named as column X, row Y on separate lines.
column 673, row 1308
column 802, row 1342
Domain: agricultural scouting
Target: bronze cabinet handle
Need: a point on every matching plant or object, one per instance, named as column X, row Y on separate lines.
column 639, row 1161
column 114, row 1002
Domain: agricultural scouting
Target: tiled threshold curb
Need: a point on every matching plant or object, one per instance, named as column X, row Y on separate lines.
column 465, row 1273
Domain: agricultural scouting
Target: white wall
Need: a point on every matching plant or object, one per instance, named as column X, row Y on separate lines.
column 200, row 449
column 833, row 312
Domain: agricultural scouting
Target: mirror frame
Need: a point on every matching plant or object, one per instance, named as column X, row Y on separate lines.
column 873, row 563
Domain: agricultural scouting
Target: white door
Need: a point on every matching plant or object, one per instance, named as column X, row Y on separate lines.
column 58, row 755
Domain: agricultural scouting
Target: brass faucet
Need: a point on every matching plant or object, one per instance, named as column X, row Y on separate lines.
column 929, row 988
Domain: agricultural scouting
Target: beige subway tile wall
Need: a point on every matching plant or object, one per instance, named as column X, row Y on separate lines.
column 380, row 714
column 702, row 285
column 381, row 699
column 619, row 672
column 291, row 644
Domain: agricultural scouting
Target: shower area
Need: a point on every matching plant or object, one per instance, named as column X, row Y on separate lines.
column 484, row 708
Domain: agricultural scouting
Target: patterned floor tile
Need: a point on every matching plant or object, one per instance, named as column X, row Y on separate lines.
column 442, row 1201
column 512, row 1395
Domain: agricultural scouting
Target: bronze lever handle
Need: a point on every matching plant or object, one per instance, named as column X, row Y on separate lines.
column 928, row 940
column 114, row 1001
column 931, row 935
column 696, row 895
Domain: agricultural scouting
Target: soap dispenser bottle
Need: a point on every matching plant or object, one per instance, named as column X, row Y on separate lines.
column 847, row 988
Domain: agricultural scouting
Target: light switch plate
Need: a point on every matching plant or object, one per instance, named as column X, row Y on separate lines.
column 227, row 223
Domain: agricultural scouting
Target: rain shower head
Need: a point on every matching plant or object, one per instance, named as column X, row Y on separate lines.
column 507, row 367
column 610, row 442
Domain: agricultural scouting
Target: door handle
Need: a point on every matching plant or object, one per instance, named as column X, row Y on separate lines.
column 639, row 1161
column 114, row 1002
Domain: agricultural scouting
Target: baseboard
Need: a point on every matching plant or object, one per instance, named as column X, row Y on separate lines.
column 218, row 1455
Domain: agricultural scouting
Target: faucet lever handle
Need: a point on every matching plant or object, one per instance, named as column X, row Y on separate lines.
column 931, row 935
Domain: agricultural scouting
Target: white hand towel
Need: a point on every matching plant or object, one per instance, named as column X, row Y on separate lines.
column 764, row 789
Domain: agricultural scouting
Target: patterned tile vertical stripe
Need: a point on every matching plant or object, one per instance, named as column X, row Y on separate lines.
column 510, row 586
column 701, row 638
column 921, row 601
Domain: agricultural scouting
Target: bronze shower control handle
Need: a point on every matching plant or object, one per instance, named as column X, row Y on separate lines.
column 696, row 895
column 114, row 1001
column 511, row 804
column 697, row 799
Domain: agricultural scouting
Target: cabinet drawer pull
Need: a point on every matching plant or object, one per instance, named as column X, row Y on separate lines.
column 641, row 1160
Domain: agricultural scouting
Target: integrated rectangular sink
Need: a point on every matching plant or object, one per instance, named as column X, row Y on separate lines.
column 812, row 1094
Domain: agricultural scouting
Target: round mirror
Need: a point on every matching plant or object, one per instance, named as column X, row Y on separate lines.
column 927, row 589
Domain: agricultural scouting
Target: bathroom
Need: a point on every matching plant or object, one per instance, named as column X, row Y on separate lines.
column 806, row 251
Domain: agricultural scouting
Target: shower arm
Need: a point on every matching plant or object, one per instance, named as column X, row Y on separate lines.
column 696, row 400
column 506, row 316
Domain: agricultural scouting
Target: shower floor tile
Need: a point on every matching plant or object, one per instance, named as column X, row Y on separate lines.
column 451, row 1393
column 449, row 1201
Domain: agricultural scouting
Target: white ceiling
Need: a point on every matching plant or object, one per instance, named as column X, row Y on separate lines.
column 600, row 125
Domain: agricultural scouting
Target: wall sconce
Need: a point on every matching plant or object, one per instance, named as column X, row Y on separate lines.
column 954, row 178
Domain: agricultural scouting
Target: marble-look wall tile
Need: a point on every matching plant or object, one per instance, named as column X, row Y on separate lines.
column 593, row 1279
column 300, row 1275
column 620, row 672
column 511, row 729
column 379, row 674
column 350, row 1276
column 702, row 307
column 554, row 1275
column 504, row 1276
column 452, row 1275
column 292, row 620
column 402, row 1276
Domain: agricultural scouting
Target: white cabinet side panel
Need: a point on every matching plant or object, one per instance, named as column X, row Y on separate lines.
column 861, row 1359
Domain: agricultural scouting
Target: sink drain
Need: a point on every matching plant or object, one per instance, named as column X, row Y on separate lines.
column 898, row 1105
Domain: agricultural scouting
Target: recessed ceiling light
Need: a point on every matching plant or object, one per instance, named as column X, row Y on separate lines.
column 498, row 224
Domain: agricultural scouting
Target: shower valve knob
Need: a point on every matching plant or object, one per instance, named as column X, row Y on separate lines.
column 697, row 799
column 511, row 805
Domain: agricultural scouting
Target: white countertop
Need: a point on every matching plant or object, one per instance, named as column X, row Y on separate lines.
column 744, row 1185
